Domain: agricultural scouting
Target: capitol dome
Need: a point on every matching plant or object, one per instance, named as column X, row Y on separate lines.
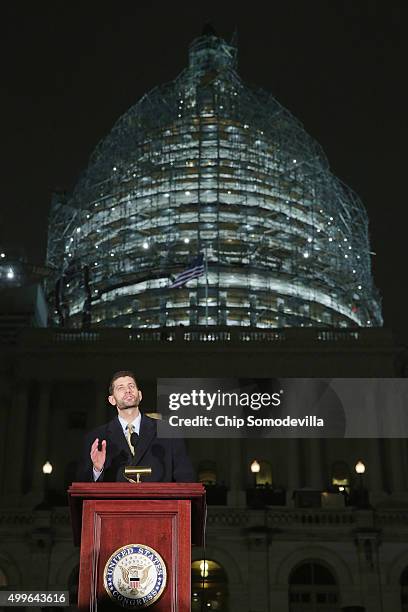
column 206, row 168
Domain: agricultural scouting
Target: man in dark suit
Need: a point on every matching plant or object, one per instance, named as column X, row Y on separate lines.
column 131, row 439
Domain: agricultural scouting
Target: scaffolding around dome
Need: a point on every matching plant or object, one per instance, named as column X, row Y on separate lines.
column 207, row 165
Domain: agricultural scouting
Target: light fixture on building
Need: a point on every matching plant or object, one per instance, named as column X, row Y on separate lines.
column 361, row 495
column 47, row 468
column 255, row 467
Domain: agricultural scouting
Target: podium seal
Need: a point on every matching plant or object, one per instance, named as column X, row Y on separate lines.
column 135, row 576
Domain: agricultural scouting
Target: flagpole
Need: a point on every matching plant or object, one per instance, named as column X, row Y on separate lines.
column 206, row 285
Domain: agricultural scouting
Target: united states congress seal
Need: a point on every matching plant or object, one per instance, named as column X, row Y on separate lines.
column 135, row 576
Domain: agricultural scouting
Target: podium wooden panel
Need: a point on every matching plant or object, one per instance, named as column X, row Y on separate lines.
column 167, row 517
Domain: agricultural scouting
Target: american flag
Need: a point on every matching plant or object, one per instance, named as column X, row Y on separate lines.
column 194, row 270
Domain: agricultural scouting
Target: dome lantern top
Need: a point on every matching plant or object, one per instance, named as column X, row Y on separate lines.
column 209, row 53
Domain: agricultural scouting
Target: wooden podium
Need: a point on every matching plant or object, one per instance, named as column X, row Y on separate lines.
column 165, row 517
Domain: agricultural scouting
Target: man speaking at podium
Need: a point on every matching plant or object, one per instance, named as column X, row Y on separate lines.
column 131, row 439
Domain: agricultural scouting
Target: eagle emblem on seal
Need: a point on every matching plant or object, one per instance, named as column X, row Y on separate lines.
column 135, row 576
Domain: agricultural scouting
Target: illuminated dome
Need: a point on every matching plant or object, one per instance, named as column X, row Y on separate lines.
column 207, row 165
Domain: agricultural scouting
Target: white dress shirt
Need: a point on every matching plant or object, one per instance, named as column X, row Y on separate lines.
column 124, row 424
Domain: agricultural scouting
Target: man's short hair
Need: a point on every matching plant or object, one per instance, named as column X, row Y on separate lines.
column 120, row 374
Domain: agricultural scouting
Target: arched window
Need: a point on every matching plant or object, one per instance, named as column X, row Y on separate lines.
column 216, row 491
column 313, row 588
column 264, row 476
column 3, row 579
column 207, row 472
column 209, row 584
column 340, row 476
column 404, row 590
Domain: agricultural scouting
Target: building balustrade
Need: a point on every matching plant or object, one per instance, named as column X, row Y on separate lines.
column 283, row 337
column 280, row 517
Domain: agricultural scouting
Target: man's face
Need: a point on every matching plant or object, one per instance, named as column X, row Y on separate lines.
column 125, row 393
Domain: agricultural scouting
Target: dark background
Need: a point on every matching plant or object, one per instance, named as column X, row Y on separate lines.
column 70, row 69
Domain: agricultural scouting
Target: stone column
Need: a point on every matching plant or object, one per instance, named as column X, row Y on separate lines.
column 41, row 440
column 236, row 494
column 293, row 463
column 100, row 413
column 16, row 441
column 5, row 410
column 367, row 541
column 374, row 467
column 40, row 542
column 394, row 447
column 314, row 474
column 258, row 566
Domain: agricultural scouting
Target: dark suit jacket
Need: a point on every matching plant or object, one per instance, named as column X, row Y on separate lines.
column 167, row 457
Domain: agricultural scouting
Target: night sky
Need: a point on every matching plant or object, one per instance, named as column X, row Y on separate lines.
column 70, row 69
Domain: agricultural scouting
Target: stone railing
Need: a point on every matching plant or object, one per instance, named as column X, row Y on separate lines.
column 282, row 338
column 228, row 517
column 398, row 517
column 16, row 518
column 309, row 517
column 279, row 517
column 282, row 518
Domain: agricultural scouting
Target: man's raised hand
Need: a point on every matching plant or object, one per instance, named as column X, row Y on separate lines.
column 98, row 457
